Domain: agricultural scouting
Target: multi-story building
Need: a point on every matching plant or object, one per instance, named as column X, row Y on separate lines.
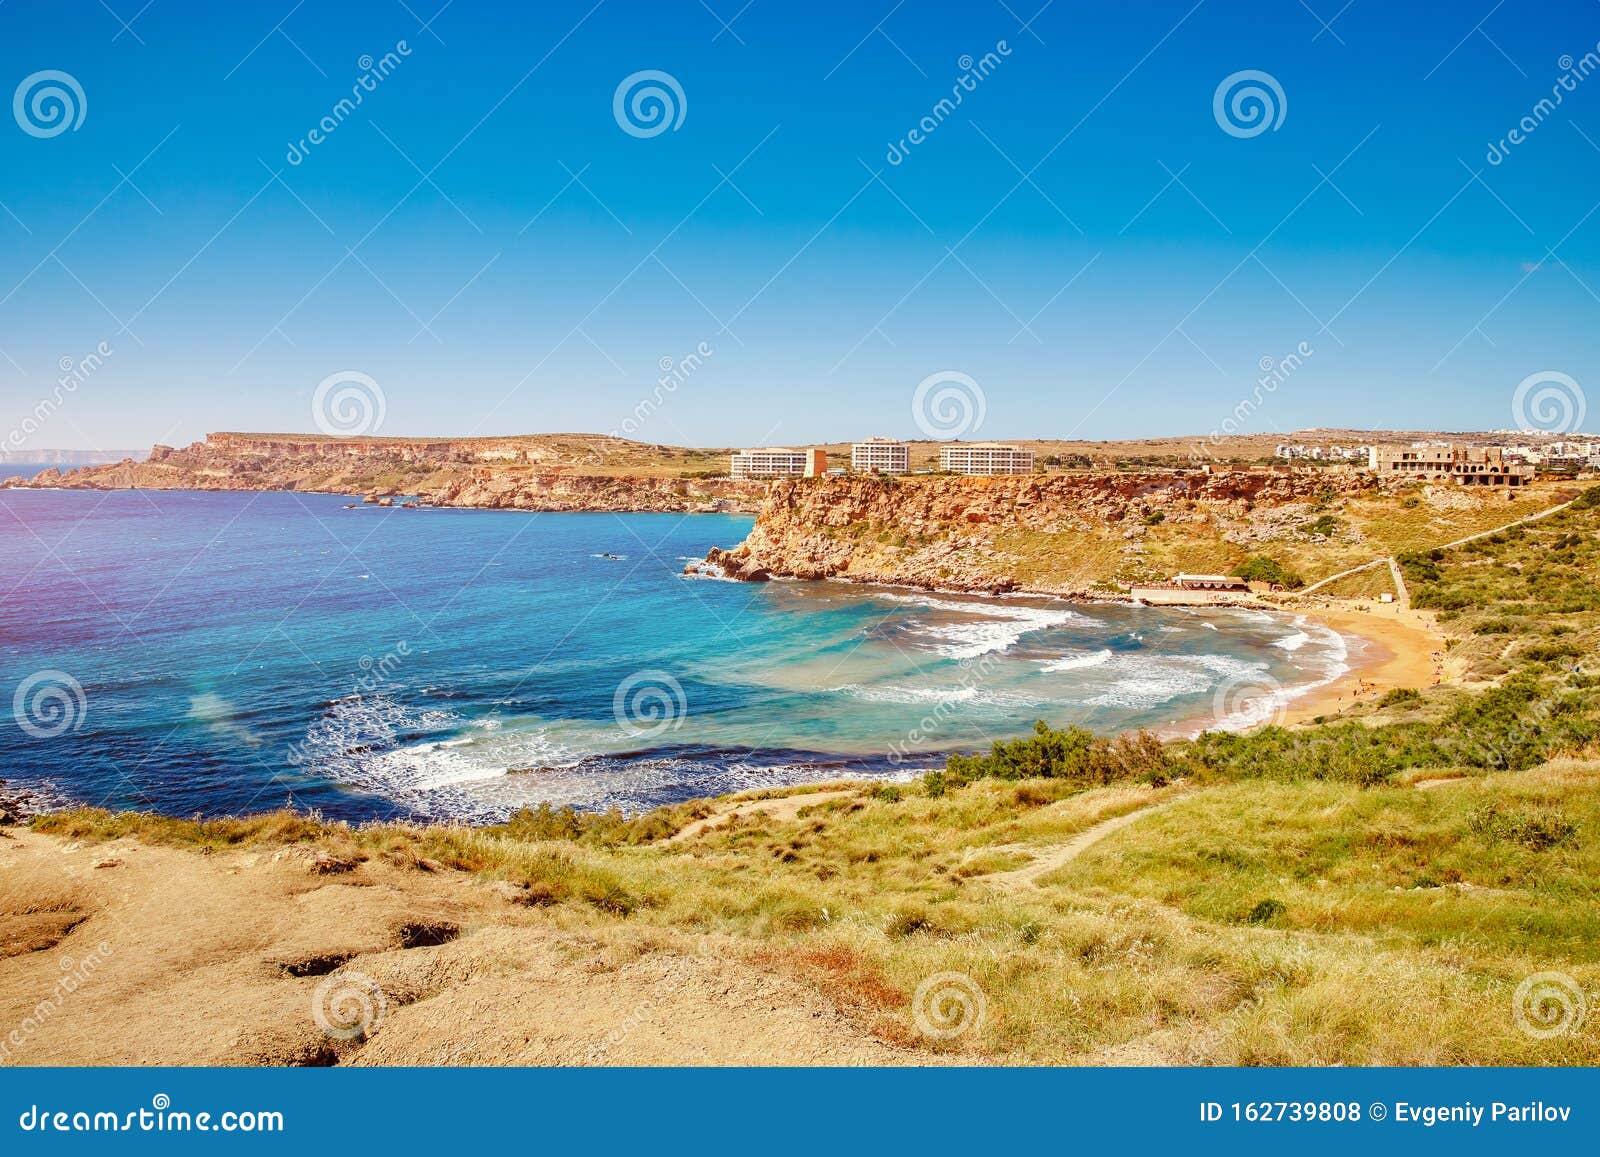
column 880, row 456
column 985, row 458
column 779, row 462
column 1468, row 465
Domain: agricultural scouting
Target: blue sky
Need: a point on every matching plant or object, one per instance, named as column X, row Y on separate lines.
column 1080, row 236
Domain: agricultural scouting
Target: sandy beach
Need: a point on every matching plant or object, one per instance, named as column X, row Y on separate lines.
column 1404, row 648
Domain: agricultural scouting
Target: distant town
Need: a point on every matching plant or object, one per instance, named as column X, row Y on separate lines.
column 1511, row 464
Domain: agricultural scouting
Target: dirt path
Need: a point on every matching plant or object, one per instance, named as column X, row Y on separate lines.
column 1028, row 875
column 781, row 808
column 132, row 954
column 1394, row 566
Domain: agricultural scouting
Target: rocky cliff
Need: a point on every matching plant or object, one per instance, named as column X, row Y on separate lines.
column 1081, row 534
column 518, row 474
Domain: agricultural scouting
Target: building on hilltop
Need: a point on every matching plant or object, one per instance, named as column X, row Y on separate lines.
column 1466, row 465
column 880, row 456
column 985, row 458
column 779, row 462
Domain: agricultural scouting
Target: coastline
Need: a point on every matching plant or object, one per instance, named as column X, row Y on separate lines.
column 1401, row 648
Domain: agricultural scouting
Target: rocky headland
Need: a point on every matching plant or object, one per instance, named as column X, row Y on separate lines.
column 546, row 473
column 1066, row 534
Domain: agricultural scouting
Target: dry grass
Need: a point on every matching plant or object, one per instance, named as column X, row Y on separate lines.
column 1142, row 950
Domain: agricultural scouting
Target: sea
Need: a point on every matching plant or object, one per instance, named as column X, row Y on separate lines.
column 221, row 653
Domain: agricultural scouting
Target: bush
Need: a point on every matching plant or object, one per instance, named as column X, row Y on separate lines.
column 1400, row 696
column 1267, row 911
column 1261, row 568
column 1535, row 829
column 1074, row 753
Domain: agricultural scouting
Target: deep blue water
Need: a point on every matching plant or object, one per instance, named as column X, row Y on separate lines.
column 198, row 652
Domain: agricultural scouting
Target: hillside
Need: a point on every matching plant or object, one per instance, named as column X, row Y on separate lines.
column 1092, row 534
column 1410, row 883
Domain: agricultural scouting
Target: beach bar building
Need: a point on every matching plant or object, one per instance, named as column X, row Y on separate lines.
column 1193, row 590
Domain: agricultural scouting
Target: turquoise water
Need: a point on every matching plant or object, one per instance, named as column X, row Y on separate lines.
column 204, row 652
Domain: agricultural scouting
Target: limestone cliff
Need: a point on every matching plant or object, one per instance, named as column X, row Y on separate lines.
column 552, row 472
column 1081, row 534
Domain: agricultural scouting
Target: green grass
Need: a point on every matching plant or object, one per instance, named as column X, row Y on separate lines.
column 1300, row 901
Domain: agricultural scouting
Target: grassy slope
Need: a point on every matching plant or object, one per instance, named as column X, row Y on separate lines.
column 1300, row 901
column 1362, row 529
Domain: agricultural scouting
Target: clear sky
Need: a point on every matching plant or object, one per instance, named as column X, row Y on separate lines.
column 1081, row 236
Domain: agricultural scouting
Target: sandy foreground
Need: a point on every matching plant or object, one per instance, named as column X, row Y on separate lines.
column 135, row 954
column 1401, row 648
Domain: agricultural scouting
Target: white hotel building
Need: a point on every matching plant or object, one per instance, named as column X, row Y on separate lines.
column 985, row 458
column 880, row 456
column 778, row 462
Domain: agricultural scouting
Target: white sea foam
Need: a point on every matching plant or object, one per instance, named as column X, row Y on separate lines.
column 992, row 627
column 954, row 693
column 1077, row 661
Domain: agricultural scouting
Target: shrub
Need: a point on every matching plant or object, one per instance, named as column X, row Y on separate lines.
column 1261, row 568
column 1074, row 753
column 1400, row 696
column 1535, row 829
column 1267, row 911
